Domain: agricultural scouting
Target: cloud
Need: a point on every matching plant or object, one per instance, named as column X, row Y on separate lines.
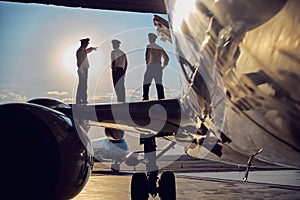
column 108, row 98
column 3, row 96
column 57, row 93
column 8, row 96
column 133, row 95
column 60, row 95
column 136, row 95
column 68, row 100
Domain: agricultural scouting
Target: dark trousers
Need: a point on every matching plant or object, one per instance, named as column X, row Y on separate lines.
column 118, row 75
column 153, row 71
column 81, row 96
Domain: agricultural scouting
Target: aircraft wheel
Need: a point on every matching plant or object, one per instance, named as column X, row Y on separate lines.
column 115, row 168
column 139, row 187
column 167, row 186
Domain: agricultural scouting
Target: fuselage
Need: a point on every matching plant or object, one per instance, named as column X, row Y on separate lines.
column 239, row 64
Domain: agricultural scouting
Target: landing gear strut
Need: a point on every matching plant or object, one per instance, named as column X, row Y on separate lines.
column 143, row 184
column 115, row 167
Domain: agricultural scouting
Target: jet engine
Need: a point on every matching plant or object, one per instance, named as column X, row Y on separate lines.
column 47, row 157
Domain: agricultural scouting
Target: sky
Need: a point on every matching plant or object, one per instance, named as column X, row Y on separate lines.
column 39, row 43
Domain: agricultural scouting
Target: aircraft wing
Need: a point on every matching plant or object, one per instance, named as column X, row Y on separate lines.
column 146, row 117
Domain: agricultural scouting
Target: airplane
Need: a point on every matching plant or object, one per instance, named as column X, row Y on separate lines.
column 239, row 68
column 115, row 150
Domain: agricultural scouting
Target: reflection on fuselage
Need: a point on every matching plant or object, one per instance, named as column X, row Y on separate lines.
column 243, row 52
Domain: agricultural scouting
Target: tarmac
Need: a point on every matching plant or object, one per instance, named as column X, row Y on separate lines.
column 198, row 179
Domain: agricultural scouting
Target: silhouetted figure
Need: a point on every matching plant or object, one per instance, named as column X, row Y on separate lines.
column 118, row 65
column 154, row 53
column 83, row 66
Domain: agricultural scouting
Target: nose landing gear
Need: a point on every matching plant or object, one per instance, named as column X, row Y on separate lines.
column 167, row 186
column 143, row 184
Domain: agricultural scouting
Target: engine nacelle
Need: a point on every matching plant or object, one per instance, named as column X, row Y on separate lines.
column 47, row 156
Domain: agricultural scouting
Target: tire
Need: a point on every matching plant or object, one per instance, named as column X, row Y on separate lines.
column 167, row 186
column 139, row 187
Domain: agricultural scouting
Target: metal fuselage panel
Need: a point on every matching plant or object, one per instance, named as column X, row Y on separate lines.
column 240, row 65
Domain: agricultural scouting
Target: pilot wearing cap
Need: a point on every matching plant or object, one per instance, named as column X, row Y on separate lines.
column 119, row 66
column 85, row 40
column 83, row 66
column 116, row 42
column 152, row 35
column 154, row 55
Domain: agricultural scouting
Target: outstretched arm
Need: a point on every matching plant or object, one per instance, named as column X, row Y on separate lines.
column 89, row 50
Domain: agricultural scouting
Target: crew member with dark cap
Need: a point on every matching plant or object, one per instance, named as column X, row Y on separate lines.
column 83, row 66
column 118, row 65
column 153, row 56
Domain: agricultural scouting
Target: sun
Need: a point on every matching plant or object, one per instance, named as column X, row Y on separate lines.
column 69, row 58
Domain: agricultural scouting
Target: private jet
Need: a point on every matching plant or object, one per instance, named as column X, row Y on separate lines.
column 239, row 64
column 114, row 149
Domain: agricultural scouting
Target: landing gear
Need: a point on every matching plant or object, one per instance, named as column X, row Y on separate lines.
column 167, row 186
column 143, row 184
column 139, row 187
column 115, row 168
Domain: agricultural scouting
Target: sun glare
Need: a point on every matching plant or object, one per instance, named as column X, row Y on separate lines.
column 69, row 58
column 182, row 11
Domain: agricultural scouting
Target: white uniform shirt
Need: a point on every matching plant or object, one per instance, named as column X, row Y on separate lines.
column 82, row 60
column 118, row 58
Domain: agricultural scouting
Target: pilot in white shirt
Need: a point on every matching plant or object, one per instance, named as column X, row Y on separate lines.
column 153, row 56
column 83, row 66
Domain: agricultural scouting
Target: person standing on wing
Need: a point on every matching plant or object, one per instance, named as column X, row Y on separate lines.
column 118, row 66
column 83, row 66
column 153, row 56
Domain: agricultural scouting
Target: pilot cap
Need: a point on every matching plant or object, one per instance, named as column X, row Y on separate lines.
column 152, row 35
column 85, row 40
column 115, row 42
